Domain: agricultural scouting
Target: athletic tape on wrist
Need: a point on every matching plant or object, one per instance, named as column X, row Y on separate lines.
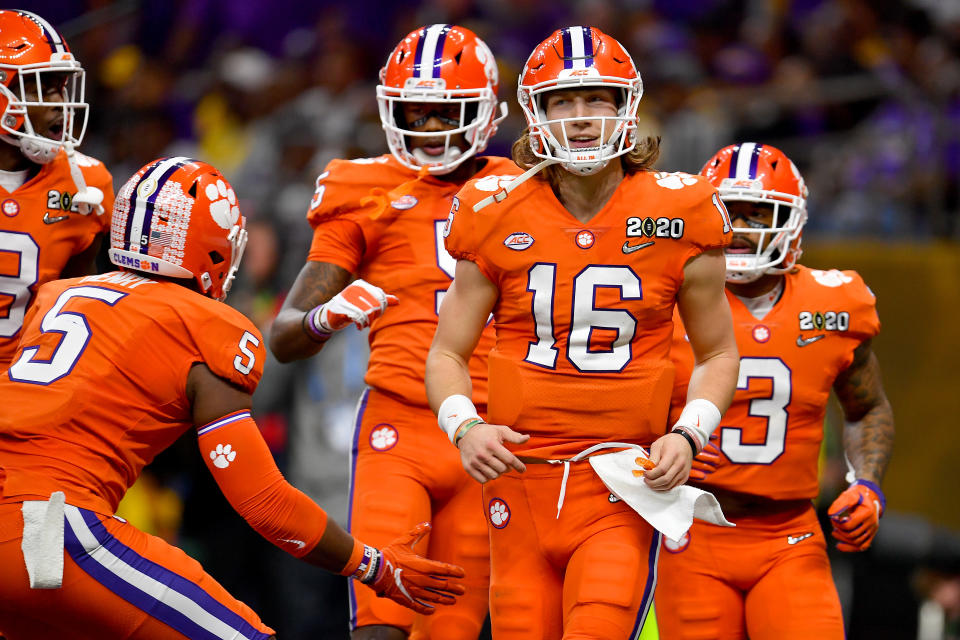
column 453, row 412
column 701, row 417
column 309, row 326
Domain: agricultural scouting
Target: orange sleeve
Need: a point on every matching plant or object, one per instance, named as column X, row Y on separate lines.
column 246, row 473
column 465, row 232
column 339, row 241
column 229, row 345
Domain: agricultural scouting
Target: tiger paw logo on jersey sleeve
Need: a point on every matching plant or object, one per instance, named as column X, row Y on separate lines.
column 499, row 513
column 677, row 180
column 223, row 204
column 493, row 183
column 222, row 456
column 831, row 278
column 383, row 437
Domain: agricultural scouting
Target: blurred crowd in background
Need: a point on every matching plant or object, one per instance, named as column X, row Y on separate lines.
column 863, row 95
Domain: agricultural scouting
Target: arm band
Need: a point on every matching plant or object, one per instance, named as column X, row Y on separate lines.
column 246, row 473
column 311, row 328
column 364, row 563
column 453, row 412
column 699, row 419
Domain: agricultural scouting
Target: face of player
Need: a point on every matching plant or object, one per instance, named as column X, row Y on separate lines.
column 584, row 106
column 47, row 121
column 430, row 117
column 748, row 215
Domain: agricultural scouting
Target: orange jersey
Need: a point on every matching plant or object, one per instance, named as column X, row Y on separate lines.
column 40, row 230
column 770, row 436
column 376, row 219
column 97, row 388
column 584, row 316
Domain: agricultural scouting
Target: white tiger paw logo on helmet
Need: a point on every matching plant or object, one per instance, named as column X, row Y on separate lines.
column 499, row 513
column 677, row 180
column 222, row 456
column 223, row 204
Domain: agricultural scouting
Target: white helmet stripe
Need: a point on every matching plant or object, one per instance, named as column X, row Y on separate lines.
column 577, row 47
column 55, row 40
column 744, row 159
column 433, row 34
column 139, row 214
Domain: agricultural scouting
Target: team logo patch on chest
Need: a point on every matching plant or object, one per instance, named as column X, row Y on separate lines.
column 499, row 513
column 761, row 333
column 10, row 207
column 677, row 546
column 585, row 239
column 384, row 437
column 518, row 241
column 404, row 202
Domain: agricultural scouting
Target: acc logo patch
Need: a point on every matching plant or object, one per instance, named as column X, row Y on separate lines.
column 761, row 333
column 518, row 241
column 404, row 202
column 10, row 207
column 677, row 546
column 832, row 278
column 585, row 239
column 384, row 437
column 499, row 513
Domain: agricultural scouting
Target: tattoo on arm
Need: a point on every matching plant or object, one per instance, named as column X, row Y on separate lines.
column 868, row 434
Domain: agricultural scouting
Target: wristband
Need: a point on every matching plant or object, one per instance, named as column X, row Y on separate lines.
column 309, row 326
column 680, row 431
column 699, row 419
column 462, row 430
column 369, row 564
column 453, row 412
column 876, row 489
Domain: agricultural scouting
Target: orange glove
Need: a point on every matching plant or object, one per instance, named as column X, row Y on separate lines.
column 706, row 461
column 412, row 580
column 855, row 515
column 359, row 303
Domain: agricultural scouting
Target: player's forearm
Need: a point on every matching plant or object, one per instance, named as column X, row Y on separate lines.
column 290, row 337
column 868, row 442
column 715, row 379
column 447, row 374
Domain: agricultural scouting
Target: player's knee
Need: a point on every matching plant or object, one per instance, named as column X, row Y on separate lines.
column 611, row 573
column 452, row 626
column 378, row 632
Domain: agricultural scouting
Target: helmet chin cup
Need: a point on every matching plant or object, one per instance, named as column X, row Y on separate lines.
column 442, row 164
column 38, row 150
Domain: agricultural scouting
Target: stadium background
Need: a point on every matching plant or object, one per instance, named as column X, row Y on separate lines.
column 863, row 95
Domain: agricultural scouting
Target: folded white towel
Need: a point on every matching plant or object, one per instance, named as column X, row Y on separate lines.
column 43, row 541
column 670, row 512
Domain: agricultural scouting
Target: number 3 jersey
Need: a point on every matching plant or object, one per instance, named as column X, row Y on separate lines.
column 40, row 230
column 97, row 387
column 379, row 220
column 584, row 316
column 771, row 434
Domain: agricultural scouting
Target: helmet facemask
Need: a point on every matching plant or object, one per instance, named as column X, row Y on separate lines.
column 777, row 247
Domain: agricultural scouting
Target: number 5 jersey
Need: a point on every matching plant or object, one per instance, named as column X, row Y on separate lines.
column 98, row 386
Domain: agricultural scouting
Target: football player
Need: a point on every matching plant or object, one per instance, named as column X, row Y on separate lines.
column 111, row 369
column 51, row 197
column 381, row 220
column 800, row 332
column 581, row 260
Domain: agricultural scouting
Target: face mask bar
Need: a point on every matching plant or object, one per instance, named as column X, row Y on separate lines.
column 238, row 242
column 476, row 131
column 28, row 92
column 778, row 246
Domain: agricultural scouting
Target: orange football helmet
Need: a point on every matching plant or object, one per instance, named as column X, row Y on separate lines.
column 447, row 64
column 178, row 217
column 34, row 58
column 580, row 57
column 752, row 172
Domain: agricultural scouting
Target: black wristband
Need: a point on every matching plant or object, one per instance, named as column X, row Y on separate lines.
column 689, row 438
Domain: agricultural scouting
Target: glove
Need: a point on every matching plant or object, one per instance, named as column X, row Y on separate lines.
column 706, row 461
column 360, row 303
column 855, row 515
column 412, row 580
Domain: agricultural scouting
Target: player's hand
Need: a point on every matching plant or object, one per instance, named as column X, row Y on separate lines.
column 412, row 580
column 359, row 303
column 855, row 515
column 672, row 455
column 482, row 452
column 706, row 461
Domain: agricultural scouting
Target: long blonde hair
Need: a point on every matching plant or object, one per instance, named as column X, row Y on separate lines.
column 641, row 158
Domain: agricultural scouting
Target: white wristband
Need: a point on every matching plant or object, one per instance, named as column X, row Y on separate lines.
column 453, row 412
column 700, row 416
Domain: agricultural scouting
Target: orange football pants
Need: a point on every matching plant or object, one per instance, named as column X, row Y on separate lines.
column 404, row 471
column 768, row 578
column 118, row 583
column 589, row 574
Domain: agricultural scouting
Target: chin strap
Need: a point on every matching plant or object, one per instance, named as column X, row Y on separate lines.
column 88, row 198
column 513, row 184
